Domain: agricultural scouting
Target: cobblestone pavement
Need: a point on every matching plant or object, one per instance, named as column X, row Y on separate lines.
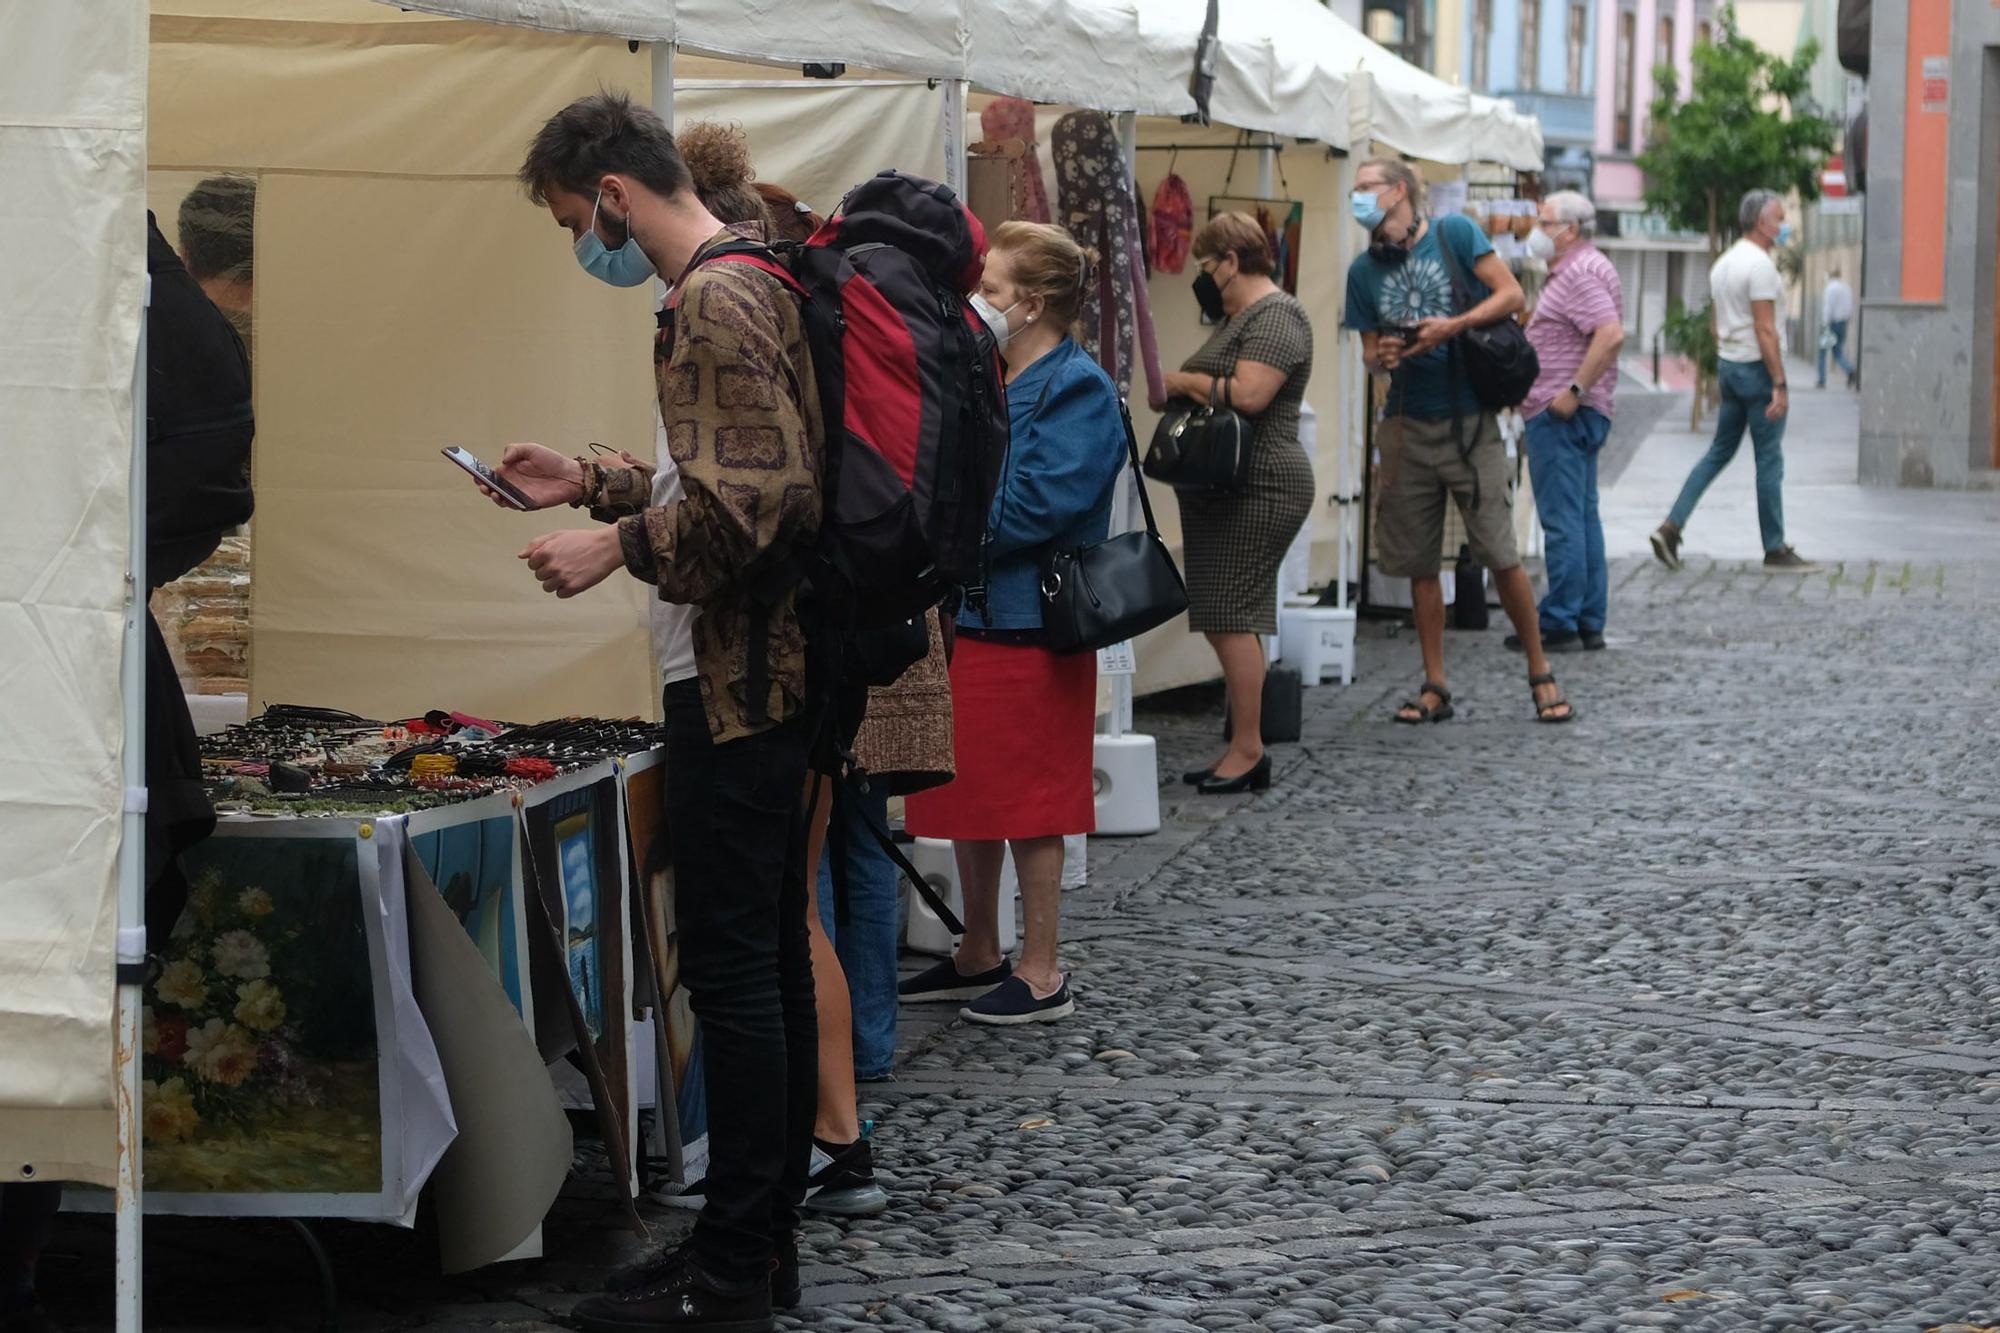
column 1685, row 1016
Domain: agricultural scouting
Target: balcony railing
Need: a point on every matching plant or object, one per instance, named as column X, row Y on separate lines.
column 1567, row 118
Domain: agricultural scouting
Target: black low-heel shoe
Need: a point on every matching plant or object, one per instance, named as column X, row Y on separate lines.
column 1194, row 777
column 1257, row 779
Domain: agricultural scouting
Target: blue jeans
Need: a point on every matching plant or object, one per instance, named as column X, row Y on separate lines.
column 1838, row 328
column 1746, row 392
column 1562, row 464
column 867, row 944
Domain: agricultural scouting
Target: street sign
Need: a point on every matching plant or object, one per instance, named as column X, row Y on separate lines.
column 1117, row 660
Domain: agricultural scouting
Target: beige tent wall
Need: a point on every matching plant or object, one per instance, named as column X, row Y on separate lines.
column 409, row 297
column 72, row 280
column 1169, row 656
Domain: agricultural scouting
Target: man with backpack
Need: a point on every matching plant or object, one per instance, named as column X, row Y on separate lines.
column 813, row 528
column 1414, row 296
column 743, row 422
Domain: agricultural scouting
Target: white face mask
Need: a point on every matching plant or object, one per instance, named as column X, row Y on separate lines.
column 1540, row 246
column 996, row 320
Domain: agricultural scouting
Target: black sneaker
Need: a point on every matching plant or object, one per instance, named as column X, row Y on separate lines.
column 946, row 982
column 1553, row 641
column 785, row 1291
column 675, row 1293
column 1785, row 560
column 843, row 1181
column 1593, row 640
column 1012, row 1002
column 1666, row 540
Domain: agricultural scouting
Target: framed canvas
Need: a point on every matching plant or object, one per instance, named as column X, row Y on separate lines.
column 286, row 1069
column 472, row 853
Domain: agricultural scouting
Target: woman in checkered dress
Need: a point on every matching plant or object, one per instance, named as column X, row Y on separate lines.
column 1260, row 356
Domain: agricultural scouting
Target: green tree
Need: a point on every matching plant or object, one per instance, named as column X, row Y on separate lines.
column 1749, row 123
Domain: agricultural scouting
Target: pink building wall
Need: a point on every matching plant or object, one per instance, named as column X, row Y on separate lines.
column 1618, row 181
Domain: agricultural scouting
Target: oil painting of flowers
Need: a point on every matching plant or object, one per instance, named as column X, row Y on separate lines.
column 260, row 1050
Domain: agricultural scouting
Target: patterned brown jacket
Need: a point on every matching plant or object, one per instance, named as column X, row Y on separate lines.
column 743, row 426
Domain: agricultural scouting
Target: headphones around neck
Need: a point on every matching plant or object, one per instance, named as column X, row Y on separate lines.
column 1394, row 253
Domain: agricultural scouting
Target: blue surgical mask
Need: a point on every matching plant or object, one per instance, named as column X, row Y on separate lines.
column 1367, row 209
column 627, row 266
column 1784, row 234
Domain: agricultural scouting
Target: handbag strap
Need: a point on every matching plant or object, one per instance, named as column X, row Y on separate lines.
column 1461, row 294
column 1138, row 474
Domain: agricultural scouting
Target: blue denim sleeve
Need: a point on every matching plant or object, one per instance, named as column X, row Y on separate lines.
column 1061, row 465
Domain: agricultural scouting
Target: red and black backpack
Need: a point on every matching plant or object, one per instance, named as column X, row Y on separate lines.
column 911, row 390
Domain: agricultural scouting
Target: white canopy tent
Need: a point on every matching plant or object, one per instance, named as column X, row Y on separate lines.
column 73, row 154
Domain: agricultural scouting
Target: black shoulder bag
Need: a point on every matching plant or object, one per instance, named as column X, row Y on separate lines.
column 1500, row 363
column 1106, row 592
column 1202, row 448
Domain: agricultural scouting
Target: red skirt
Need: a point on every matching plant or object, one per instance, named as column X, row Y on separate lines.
column 1023, row 719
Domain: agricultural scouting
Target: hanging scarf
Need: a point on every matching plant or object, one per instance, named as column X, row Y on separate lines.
column 1101, row 210
column 1011, row 118
column 1173, row 224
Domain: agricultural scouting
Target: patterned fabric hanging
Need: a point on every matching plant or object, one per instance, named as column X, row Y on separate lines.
column 1100, row 208
column 1173, row 224
column 1011, row 118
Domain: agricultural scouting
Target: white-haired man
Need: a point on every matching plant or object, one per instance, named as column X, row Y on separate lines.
column 1579, row 326
column 1750, row 370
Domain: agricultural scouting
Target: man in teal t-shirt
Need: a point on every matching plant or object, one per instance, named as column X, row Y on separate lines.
column 1385, row 296
column 1437, row 441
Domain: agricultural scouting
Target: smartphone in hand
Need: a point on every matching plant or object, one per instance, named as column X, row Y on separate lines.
column 499, row 485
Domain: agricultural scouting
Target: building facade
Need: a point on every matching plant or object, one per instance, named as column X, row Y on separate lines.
column 1538, row 54
column 1930, row 400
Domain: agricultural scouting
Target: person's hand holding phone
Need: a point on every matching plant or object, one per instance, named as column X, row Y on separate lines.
column 545, row 477
column 1389, row 349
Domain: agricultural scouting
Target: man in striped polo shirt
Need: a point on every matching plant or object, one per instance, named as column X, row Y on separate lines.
column 1578, row 327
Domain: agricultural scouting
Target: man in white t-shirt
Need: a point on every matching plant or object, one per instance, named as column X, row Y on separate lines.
column 1836, row 308
column 1745, row 289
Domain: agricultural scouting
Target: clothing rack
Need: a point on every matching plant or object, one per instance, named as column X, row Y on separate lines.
column 1210, row 147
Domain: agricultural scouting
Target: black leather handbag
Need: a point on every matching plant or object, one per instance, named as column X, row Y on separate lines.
column 1106, row 592
column 1201, row 447
column 1500, row 362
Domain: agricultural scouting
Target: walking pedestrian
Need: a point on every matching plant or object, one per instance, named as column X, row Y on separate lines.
column 1745, row 289
column 1256, row 362
column 1438, row 443
column 1836, row 309
column 739, row 368
column 1578, row 327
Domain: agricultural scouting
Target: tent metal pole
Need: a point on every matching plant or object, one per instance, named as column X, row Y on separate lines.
column 663, row 81
column 954, row 135
column 1125, row 511
column 1354, row 394
column 131, row 953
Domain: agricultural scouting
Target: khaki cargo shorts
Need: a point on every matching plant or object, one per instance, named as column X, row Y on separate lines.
column 1420, row 467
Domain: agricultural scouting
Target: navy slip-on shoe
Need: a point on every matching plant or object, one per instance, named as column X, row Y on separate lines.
column 1013, row 1002
column 946, row 982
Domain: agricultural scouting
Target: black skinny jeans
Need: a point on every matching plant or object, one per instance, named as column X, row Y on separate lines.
column 735, row 811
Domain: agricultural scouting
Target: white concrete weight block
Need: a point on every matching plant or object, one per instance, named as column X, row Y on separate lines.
column 1319, row 641
column 1126, row 774
column 925, row 933
column 1076, row 860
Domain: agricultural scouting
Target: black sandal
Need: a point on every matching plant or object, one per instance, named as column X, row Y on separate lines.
column 1424, row 712
column 1543, row 710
